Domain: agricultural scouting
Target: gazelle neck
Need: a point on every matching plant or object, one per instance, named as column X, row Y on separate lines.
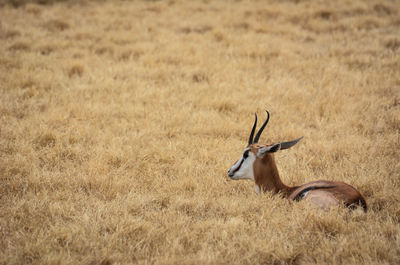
column 266, row 176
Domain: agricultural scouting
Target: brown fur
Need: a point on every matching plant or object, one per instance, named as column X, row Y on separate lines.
column 324, row 194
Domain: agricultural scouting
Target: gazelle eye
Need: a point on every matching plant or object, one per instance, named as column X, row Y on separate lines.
column 246, row 154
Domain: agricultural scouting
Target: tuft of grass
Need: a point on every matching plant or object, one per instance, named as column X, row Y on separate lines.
column 56, row 25
column 19, row 46
column 75, row 70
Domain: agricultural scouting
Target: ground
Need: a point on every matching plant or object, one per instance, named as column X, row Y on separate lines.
column 120, row 119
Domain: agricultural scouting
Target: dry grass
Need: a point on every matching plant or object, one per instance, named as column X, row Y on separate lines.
column 119, row 121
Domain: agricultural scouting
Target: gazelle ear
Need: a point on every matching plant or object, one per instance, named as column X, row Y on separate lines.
column 268, row 149
column 286, row 145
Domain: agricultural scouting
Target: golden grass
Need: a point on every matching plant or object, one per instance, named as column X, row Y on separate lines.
column 119, row 121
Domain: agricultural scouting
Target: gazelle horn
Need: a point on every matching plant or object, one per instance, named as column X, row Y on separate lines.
column 253, row 130
column 261, row 129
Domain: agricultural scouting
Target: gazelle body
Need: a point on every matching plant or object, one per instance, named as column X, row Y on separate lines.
column 258, row 164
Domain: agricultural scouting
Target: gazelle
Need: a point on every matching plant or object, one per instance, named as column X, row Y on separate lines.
column 257, row 163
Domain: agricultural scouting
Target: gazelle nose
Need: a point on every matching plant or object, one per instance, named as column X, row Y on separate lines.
column 230, row 174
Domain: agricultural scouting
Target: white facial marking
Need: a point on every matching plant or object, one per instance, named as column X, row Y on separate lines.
column 243, row 168
column 304, row 194
column 258, row 190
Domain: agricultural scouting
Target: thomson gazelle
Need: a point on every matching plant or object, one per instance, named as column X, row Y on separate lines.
column 257, row 163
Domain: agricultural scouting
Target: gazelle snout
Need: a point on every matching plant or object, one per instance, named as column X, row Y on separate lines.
column 243, row 167
column 234, row 169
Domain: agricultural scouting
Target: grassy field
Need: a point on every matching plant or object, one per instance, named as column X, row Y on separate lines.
column 120, row 119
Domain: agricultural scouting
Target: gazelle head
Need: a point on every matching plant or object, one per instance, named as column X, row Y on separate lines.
column 257, row 158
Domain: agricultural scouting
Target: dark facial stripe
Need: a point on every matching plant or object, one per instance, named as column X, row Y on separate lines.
column 241, row 162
